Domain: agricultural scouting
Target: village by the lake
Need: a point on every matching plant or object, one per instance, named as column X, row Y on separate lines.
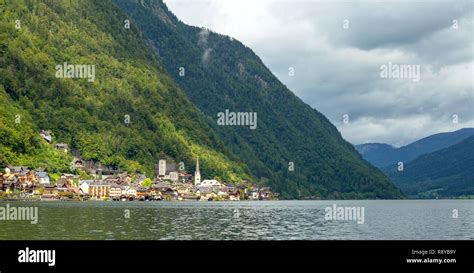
column 90, row 180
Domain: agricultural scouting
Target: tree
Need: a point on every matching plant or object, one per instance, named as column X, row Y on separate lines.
column 147, row 182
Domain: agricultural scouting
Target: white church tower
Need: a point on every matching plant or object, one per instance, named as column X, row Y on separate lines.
column 162, row 166
column 197, row 174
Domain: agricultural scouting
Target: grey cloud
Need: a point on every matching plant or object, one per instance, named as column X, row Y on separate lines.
column 337, row 71
column 394, row 23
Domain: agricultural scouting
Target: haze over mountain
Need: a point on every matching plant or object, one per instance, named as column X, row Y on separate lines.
column 383, row 155
column 135, row 108
column 445, row 173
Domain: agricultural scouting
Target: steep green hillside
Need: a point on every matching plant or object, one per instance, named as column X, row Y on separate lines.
column 92, row 116
column 21, row 145
column 445, row 173
column 220, row 73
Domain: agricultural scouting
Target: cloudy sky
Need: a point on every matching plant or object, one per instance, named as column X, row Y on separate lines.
column 338, row 50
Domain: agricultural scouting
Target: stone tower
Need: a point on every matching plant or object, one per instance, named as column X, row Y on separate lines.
column 197, row 174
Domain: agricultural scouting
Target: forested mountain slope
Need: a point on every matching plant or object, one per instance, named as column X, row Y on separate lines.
column 219, row 73
column 126, row 115
column 446, row 173
column 383, row 155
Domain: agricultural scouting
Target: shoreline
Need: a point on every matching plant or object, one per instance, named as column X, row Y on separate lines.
column 229, row 201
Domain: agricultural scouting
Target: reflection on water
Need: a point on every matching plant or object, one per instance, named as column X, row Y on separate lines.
column 257, row 220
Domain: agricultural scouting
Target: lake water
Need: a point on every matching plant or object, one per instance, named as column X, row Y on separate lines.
column 244, row 220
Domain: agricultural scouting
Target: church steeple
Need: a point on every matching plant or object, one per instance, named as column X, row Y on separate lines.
column 197, row 173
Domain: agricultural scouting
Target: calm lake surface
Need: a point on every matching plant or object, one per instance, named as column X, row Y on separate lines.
column 244, row 220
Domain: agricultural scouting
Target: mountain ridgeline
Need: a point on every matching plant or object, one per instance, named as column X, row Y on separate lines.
column 437, row 166
column 138, row 105
column 384, row 155
column 294, row 148
column 445, row 173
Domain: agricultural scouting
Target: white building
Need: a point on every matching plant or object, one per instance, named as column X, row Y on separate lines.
column 43, row 177
column 162, row 166
column 197, row 174
column 84, row 185
column 253, row 195
column 46, row 135
column 173, row 176
column 115, row 191
column 130, row 191
column 210, row 183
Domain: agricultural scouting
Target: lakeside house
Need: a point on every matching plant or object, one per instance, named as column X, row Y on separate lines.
column 84, row 185
column 265, row 193
column 170, row 194
column 189, row 197
column 115, row 192
column 234, row 195
column 131, row 192
column 168, row 184
column 253, row 195
column 99, row 189
column 43, row 178
column 50, row 192
column 143, row 194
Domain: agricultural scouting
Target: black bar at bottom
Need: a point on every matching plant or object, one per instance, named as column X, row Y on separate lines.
column 242, row 256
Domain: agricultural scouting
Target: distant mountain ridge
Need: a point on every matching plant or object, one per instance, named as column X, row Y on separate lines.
column 384, row 155
column 445, row 173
